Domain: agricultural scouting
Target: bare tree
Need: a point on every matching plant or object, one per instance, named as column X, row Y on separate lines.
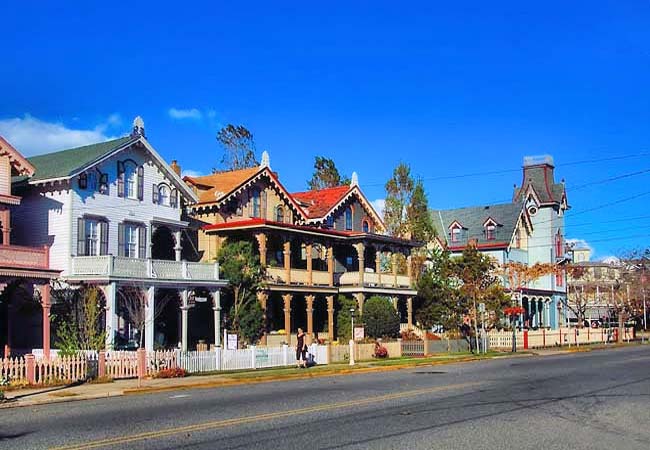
column 579, row 291
column 135, row 300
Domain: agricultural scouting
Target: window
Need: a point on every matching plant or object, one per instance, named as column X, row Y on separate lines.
column 83, row 181
column 558, row 245
column 348, row 218
column 132, row 240
column 490, row 232
column 92, row 181
column 279, row 214
column 455, row 234
column 365, row 226
column 329, row 222
column 164, row 194
column 103, row 183
column 559, row 278
column 518, row 238
column 130, row 180
column 255, row 204
column 92, row 237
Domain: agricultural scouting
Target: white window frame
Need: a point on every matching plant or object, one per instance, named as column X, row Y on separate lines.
column 164, row 200
column 130, row 180
column 92, row 231
column 131, row 236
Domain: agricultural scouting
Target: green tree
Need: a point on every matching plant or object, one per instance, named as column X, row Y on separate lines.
column 238, row 147
column 419, row 220
column 79, row 326
column 399, row 190
column 437, row 295
column 344, row 318
column 326, row 175
column 380, row 318
column 241, row 267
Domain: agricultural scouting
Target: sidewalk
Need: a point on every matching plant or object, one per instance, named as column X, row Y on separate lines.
column 31, row 397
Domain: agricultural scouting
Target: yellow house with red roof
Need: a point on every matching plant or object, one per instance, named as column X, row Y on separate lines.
column 314, row 245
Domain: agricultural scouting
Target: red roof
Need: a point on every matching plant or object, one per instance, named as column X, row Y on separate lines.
column 318, row 203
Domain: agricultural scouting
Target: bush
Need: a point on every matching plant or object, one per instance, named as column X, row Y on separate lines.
column 381, row 352
column 174, row 372
column 380, row 318
column 344, row 319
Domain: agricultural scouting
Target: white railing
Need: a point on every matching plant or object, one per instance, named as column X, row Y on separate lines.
column 383, row 279
column 123, row 267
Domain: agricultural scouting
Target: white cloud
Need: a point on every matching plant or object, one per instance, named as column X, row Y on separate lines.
column 580, row 243
column 32, row 136
column 193, row 113
column 379, row 206
column 191, row 173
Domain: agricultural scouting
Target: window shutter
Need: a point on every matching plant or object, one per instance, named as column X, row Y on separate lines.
column 173, row 200
column 120, row 240
column 154, row 193
column 142, row 242
column 120, row 179
column 263, row 206
column 251, row 209
column 103, row 235
column 81, row 237
column 83, row 181
column 140, row 183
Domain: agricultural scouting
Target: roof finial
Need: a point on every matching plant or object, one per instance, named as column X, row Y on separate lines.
column 266, row 160
column 138, row 127
column 355, row 180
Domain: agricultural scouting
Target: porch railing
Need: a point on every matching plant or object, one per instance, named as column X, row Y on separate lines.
column 374, row 279
column 123, row 267
column 24, row 257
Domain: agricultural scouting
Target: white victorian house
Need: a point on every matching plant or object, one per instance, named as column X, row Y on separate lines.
column 111, row 215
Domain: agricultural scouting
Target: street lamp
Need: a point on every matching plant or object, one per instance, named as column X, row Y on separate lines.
column 352, row 338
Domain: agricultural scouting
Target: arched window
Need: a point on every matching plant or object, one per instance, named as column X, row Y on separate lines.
column 164, row 195
column 255, row 204
column 279, row 214
column 366, row 226
column 348, row 218
column 130, row 180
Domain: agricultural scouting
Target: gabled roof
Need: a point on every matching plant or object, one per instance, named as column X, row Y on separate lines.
column 506, row 216
column 222, row 182
column 319, row 202
column 65, row 163
column 18, row 162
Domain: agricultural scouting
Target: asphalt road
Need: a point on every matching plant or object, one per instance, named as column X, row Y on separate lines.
column 595, row 400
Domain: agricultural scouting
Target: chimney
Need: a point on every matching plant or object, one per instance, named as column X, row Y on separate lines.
column 175, row 167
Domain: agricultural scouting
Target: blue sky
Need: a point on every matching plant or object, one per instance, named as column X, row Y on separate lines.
column 449, row 89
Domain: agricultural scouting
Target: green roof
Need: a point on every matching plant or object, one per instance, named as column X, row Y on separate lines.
column 64, row 163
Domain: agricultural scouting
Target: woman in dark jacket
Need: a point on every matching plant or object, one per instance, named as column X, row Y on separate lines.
column 301, row 349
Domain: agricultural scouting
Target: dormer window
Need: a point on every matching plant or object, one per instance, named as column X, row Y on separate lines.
column 279, row 214
column 365, row 226
column 455, row 233
column 348, row 218
column 490, row 229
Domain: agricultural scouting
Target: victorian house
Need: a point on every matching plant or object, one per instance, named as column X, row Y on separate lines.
column 529, row 229
column 314, row 245
column 110, row 214
column 25, row 273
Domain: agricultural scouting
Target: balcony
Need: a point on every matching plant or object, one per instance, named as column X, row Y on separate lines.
column 300, row 277
column 373, row 279
column 24, row 257
column 278, row 275
column 143, row 269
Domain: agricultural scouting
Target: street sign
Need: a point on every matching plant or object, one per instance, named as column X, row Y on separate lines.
column 359, row 333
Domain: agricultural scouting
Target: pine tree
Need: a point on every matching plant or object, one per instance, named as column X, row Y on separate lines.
column 399, row 190
column 326, row 175
column 238, row 146
column 419, row 219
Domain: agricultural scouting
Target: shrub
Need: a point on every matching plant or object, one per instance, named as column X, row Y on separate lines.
column 380, row 318
column 409, row 335
column 344, row 318
column 174, row 372
column 432, row 337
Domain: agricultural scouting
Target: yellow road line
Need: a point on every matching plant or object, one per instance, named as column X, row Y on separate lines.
column 260, row 417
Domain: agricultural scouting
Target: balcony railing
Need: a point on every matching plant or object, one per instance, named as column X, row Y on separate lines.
column 298, row 276
column 373, row 279
column 123, row 267
column 278, row 275
column 24, row 257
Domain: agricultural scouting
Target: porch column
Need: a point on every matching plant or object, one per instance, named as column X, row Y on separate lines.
column 310, row 275
column 216, row 302
column 330, row 264
column 393, row 262
column 185, row 307
column 149, row 314
column 45, row 304
column 330, row 317
column 263, row 298
column 150, row 231
column 178, row 248
column 360, row 248
column 309, row 300
column 409, row 269
column 110, row 293
column 378, row 265
column 360, row 297
column 394, row 301
column 409, row 311
column 287, row 261
column 261, row 244
column 5, row 217
column 287, row 316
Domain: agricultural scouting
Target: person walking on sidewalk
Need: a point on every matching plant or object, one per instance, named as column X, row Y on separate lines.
column 301, row 349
